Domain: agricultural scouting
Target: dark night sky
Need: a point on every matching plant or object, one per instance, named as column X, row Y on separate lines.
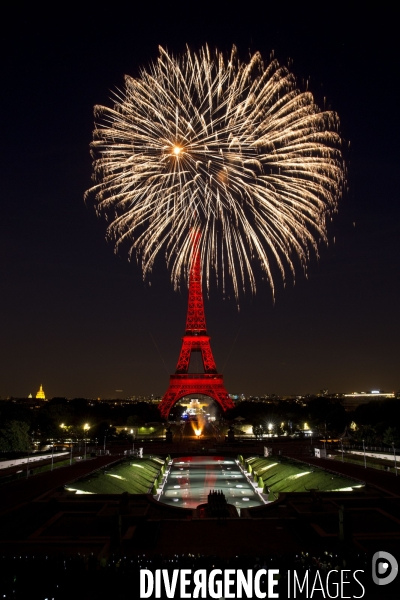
column 79, row 319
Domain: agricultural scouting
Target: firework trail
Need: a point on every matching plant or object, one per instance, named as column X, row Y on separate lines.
column 232, row 149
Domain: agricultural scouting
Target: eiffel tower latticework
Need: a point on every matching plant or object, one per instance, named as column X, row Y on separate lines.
column 182, row 383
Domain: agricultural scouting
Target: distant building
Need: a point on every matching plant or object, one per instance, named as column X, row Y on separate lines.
column 351, row 401
column 41, row 395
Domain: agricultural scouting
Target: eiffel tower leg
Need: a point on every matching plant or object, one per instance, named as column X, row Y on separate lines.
column 168, row 401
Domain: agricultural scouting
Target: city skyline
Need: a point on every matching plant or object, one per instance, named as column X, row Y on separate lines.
column 120, row 396
column 82, row 322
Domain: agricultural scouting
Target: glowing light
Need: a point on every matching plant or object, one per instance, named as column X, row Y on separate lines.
column 260, row 173
column 198, row 432
column 78, row 491
column 267, row 467
column 299, row 475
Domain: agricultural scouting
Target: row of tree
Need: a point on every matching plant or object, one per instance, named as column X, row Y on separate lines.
column 373, row 422
column 61, row 418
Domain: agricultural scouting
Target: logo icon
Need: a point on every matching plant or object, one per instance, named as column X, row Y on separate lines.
column 384, row 568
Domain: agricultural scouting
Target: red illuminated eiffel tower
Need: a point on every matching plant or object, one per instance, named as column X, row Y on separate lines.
column 183, row 383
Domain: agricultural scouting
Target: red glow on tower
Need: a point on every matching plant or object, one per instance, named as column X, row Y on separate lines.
column 183, row 383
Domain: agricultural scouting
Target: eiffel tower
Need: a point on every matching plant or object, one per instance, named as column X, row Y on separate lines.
column 182, row 383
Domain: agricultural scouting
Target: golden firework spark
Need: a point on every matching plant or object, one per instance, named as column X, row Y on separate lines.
column 232, row 149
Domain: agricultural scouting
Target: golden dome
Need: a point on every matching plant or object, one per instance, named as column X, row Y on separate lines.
column 41, row 394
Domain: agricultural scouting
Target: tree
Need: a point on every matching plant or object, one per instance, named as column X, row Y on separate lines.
column 326, row 414
column 258, row 430
column 14, row 437
column 391, row 436
column 134, row 421
column 366, row 433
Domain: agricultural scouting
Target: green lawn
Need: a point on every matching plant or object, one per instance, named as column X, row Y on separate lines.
column 156, row 431
column 135, row 476
column 288, row 476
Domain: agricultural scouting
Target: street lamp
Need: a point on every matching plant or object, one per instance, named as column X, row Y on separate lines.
column 133, row 440
column 365, row 460
column 65, row 428
column 85, row 428
column 394, row 452
column 52, row 454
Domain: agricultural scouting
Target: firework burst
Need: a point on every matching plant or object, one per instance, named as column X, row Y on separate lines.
column 232, row 149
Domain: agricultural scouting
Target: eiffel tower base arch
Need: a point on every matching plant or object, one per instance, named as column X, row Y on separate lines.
column 205, row 384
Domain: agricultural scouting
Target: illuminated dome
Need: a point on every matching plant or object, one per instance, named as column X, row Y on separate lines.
column 41, row 394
